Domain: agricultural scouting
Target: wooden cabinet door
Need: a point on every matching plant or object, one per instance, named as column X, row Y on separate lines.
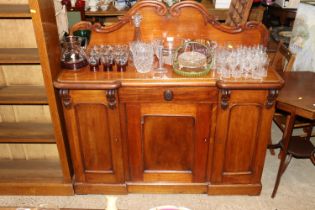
column 94, row 134
column 242, row 132
column 168, row 141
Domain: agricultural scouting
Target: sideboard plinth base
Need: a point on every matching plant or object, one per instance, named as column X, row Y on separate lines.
column 113, row 189
column 235, row 189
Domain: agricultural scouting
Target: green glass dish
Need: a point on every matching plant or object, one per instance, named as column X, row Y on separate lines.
column 193, row 59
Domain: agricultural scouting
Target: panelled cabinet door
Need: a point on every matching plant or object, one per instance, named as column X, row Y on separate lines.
column 168, row 142
column 94, row 134
column 168, row 133
column 241, row 137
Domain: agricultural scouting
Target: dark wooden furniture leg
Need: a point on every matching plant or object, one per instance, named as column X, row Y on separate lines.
column 285, row 140
column 271, row 146
column 313, row 157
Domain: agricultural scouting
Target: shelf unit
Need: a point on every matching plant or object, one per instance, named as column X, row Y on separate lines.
column 14, row 11
column 29, row 175
column 19, row 55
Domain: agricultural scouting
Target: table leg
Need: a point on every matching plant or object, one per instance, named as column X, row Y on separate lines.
column 285, row 140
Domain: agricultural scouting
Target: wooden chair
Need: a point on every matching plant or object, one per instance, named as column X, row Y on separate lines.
column 313, row 156
column 238, row 12
column 283, row 61
column 299, row 146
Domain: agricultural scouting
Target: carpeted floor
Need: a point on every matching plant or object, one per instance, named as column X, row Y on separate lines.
column 296, row 192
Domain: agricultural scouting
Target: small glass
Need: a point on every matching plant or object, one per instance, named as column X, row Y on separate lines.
column 158, row 51
column 225, row 72
column 121, row 55
column 121, row 60
column 93, row 59
column 107, row 59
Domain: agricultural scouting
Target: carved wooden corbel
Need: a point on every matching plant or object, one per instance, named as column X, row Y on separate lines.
column 111, row 98
column 225, row 97
column 271, row 98
column 65, row 97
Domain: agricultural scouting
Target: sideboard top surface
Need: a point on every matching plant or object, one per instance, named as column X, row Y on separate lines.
column 186, row 19
column 85, row 79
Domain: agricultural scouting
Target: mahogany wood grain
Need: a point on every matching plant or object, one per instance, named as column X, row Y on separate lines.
column 297, row 99
column 234, row 189
column 123, row 127
column 157, row 144
column 14, row 11
column 205, row 26
column 166, row 188
column 94, row 134
column 100, row 188
column 256, row 14
column 179, row 134
column 19, row 55
column 241, row 139
column 26, row 133
column 298, row 96
column 23, row 95
column 175, row 154
column 85, row 79
column 180, row 94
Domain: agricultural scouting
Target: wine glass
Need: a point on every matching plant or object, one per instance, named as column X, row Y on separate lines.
column 158, row 51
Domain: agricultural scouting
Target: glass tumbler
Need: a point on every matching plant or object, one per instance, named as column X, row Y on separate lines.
column 107, row 59
column 93, row 59
column 121, row 60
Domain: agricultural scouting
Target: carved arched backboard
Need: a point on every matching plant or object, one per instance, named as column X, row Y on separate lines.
column 186, row 19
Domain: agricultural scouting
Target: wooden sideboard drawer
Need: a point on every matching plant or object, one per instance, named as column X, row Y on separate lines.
column 171, row 94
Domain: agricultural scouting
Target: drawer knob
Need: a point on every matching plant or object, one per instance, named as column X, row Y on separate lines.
column 168, row 95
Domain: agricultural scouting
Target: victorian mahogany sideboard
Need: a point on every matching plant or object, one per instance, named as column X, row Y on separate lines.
column 133, row 132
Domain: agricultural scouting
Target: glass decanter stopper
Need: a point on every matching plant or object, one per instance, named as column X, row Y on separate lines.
column 137, row 18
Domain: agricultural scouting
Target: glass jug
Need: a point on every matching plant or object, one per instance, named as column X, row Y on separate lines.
column 72, row 55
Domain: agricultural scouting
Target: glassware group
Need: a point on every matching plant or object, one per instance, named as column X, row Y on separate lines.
column 140, row 53
column 241, row 62
column 108, row 56
column 247, row 62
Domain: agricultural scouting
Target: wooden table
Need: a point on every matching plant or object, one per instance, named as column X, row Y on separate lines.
column 298, row 99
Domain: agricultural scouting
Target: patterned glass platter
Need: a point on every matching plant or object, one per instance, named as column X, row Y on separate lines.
column 194, row 58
